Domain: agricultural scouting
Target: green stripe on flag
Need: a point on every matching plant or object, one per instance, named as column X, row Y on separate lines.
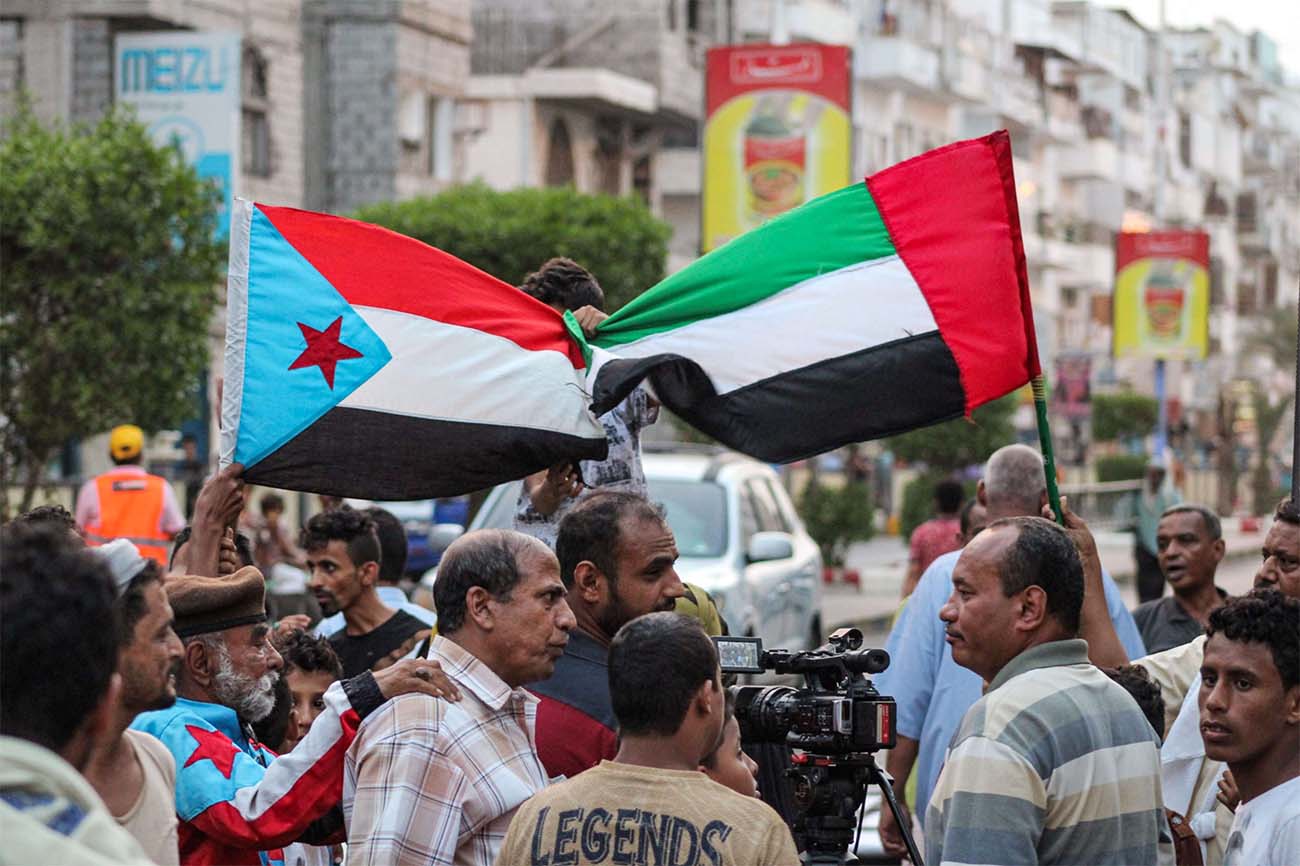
column 834, row 231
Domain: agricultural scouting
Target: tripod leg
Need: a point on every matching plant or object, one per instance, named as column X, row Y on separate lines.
column 904, row 826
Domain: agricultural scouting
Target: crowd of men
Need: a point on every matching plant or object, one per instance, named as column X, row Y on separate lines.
column 947, row 688
column 564, row 703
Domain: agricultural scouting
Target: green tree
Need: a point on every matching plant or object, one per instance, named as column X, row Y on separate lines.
column 108, row 274
column 1122, row 415
column 959, row 443
column 836, row 516
column 508, row 234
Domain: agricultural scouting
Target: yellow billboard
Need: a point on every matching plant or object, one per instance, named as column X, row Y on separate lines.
column 1162, row 295
column 776, row 133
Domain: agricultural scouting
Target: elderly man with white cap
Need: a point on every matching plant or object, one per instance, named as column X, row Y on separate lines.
column 237, row 803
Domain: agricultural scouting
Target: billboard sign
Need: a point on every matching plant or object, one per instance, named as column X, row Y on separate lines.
column 185, row 89
column 776, row 133
column 1162, row 295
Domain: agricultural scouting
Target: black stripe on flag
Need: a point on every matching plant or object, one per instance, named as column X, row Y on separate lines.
column 365, row 454
column 881, row 391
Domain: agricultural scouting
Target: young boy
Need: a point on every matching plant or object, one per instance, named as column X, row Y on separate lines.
column 728, row 764
column 1250, row 719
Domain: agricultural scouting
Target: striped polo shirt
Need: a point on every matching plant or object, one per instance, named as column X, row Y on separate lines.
column 1055, row 764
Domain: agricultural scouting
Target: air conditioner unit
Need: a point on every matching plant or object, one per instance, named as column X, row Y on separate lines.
column 412, row 118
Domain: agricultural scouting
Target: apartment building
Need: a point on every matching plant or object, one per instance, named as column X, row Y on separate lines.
column 604, row 97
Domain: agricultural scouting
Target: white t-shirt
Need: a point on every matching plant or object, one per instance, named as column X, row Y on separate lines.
column 1266, row 831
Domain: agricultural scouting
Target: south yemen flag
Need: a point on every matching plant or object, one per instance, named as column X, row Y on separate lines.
column 882, row 307
column 363, row 363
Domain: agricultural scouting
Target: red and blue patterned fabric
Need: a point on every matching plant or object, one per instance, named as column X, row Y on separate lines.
column 237, row 802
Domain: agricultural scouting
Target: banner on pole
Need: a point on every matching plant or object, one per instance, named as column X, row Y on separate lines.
column 1162, row 295
column 185, row 89
column 776, row 133
column 1072, row 394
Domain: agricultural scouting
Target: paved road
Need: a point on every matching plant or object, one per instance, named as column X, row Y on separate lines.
column 882, row 562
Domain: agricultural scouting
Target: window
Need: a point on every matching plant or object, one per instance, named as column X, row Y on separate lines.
column 1185, row 139
column 783, row 507
column 256, row 138
column 559, row 155
column 765, row 507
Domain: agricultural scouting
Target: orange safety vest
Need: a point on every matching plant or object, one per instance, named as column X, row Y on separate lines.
column 130, row 507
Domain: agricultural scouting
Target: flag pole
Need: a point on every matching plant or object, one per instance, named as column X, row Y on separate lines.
column 1295, row 421
column 1039, row 386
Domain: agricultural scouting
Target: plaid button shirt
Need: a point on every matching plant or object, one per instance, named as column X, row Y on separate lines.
column 431, row 782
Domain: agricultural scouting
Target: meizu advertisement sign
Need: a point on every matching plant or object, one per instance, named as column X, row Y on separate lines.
column 185, row 89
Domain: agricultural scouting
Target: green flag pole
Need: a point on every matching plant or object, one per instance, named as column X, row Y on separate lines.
column 1039, row 386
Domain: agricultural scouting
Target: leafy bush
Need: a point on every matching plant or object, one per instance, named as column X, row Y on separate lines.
column 836, row 516
column 1121, row 467
column 918, row 500
column 508, row 234
column 1122, row 416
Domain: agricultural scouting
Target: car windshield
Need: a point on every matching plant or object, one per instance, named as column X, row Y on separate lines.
column 697, row 513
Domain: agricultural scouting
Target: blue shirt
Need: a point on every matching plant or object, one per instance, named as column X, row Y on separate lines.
column 934, row 692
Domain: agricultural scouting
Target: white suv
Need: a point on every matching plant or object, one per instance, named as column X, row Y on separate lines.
column 738, row 535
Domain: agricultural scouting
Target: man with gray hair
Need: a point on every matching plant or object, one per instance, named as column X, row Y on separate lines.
column 932, row 691
column 234, row 799
column 427, row 782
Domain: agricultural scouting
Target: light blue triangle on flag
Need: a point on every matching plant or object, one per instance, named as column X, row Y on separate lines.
column 285, row 293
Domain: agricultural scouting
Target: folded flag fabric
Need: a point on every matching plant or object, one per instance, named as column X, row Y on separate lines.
column 363, row 363
column 882, row 307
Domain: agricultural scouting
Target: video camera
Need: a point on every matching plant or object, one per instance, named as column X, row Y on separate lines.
column 834, row 724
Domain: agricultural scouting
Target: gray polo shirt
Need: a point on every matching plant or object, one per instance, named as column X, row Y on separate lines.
column 1165, row 624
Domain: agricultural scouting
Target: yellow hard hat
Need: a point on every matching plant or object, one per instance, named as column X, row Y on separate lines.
column 125, row 441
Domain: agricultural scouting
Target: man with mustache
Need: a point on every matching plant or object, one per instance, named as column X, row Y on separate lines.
column 1055, row 763
column 1189, row 544
column 134, row 774
column 238, row 803
column 430, row 783
column 1250, row 719
column 616, row 558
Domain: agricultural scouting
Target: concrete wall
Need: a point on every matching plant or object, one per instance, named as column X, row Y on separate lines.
column 372, row 69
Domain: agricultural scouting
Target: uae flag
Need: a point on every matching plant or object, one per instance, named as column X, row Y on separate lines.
column 363, row 363
column 882, row 307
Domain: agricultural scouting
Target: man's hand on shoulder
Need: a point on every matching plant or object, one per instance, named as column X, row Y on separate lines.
column 412, row 676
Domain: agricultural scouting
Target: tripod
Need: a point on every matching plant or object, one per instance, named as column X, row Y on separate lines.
column 828, row 793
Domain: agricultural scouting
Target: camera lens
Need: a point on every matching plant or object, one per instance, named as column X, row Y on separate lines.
column 765, row 713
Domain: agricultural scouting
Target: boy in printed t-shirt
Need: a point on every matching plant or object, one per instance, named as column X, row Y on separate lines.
column 651, row 803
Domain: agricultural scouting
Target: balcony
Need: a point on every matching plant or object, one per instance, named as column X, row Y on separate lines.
column 1095, row 159
column 805, row 20
column 1063, row 121
column 1259, row 155
column 1086, row 263
column 896, row 61
column 1138, row 174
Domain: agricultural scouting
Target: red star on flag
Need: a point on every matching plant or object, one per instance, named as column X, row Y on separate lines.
column 214, row 746
column 324, row 350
